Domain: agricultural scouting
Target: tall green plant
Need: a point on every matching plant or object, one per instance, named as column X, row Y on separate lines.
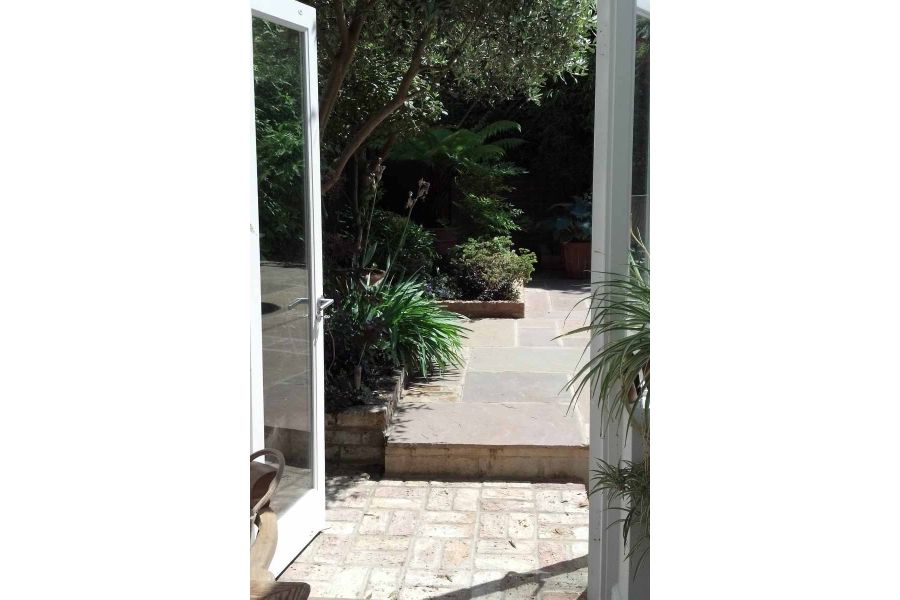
column 424, row 337
column 619, row 377
column 396, row 318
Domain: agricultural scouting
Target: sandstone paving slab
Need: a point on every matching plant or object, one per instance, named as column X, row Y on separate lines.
column 536, row 360
column 538, row 337
column 490, row 424
column 579, row 316
column 537, row 302
column 512, row 386
column 530, row 323
column 570, row 300
column 488, row 333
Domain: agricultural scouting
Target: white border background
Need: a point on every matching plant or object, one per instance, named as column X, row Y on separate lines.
column 125, row 374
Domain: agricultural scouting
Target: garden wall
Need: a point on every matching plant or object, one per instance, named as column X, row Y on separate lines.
column 355, row 437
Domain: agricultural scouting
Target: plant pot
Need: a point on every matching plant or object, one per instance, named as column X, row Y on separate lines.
column 371, row 276
column 577, row 259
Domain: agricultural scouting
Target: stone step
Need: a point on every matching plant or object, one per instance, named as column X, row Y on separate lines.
column 524, row 441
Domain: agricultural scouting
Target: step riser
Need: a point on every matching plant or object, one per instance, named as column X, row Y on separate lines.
column 513, row 463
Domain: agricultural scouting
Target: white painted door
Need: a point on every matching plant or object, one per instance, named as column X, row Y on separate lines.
column 286, row 263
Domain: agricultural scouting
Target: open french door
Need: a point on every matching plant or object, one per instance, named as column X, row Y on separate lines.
column 287, row 390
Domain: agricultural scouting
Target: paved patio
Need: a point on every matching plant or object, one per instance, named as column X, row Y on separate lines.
column 412, row 540
column 506, row 414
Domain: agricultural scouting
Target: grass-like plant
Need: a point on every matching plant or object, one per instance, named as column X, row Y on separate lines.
column 619, row 377
column 619, row 374
column 396, row 317
column 629, row 483
column 423, row 335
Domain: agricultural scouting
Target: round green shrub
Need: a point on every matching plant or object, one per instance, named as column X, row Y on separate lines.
column 491, row 269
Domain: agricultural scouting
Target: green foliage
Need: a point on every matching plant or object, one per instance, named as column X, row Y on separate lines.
column 571, row 221
column 488, row 216
column 619, row 377
column 474, row 161
column 423, row 335
column 629, row 484
column 417, row 253
column 472, row 152
column 480, row 50
column 504, row 47
column 279, row 140
column 395, row 319
column 442, row 286
column 490, row 269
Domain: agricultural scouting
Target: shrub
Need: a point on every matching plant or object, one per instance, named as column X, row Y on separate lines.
column 417, row 255
column 442, row 286
column 490, row 269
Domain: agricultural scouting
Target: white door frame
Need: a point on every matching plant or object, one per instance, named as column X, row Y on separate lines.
column 306, row 517
column 609, row 576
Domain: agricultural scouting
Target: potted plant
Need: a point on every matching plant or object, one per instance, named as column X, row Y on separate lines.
column 618, row 377
column 571, row 228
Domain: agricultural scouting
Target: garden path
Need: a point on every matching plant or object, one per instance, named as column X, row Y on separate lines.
column 507, row 413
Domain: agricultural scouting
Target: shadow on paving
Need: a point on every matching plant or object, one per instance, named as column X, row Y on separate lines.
column 513, row 580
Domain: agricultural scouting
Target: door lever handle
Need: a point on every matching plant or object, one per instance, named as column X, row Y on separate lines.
column 322, row 305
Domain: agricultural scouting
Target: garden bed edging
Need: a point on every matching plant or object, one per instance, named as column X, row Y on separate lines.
column 491, row 309
column 356, row 436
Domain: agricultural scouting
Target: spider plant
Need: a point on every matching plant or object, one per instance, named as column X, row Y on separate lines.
column 618, row 375
column 629, row 483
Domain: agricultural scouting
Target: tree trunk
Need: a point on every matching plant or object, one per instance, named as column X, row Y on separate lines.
column 375, row 120
column 342, row 60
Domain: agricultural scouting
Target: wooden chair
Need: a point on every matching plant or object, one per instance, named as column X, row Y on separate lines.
column 264, row 479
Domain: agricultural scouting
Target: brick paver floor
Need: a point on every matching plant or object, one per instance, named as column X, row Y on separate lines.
column 412, row 540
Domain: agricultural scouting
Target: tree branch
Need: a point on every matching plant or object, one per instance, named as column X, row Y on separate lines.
column 341, row 20
column 371, row 124
column 340, row 66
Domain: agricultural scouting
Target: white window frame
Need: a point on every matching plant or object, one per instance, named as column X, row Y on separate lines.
column 609, row 573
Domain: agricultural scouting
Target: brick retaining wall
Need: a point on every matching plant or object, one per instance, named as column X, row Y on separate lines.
column 355, row 437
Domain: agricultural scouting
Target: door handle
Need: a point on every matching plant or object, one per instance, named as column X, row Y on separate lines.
column 323, row 303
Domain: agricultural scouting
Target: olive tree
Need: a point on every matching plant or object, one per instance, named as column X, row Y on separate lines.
column 384, row 63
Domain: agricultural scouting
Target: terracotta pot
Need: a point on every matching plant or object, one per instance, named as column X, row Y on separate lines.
column 577, row 259
column 372, row 275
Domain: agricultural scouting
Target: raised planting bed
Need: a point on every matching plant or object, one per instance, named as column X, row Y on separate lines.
column 355, row 436
column 493, row 309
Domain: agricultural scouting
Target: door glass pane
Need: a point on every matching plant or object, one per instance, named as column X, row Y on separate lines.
column 283, row 232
